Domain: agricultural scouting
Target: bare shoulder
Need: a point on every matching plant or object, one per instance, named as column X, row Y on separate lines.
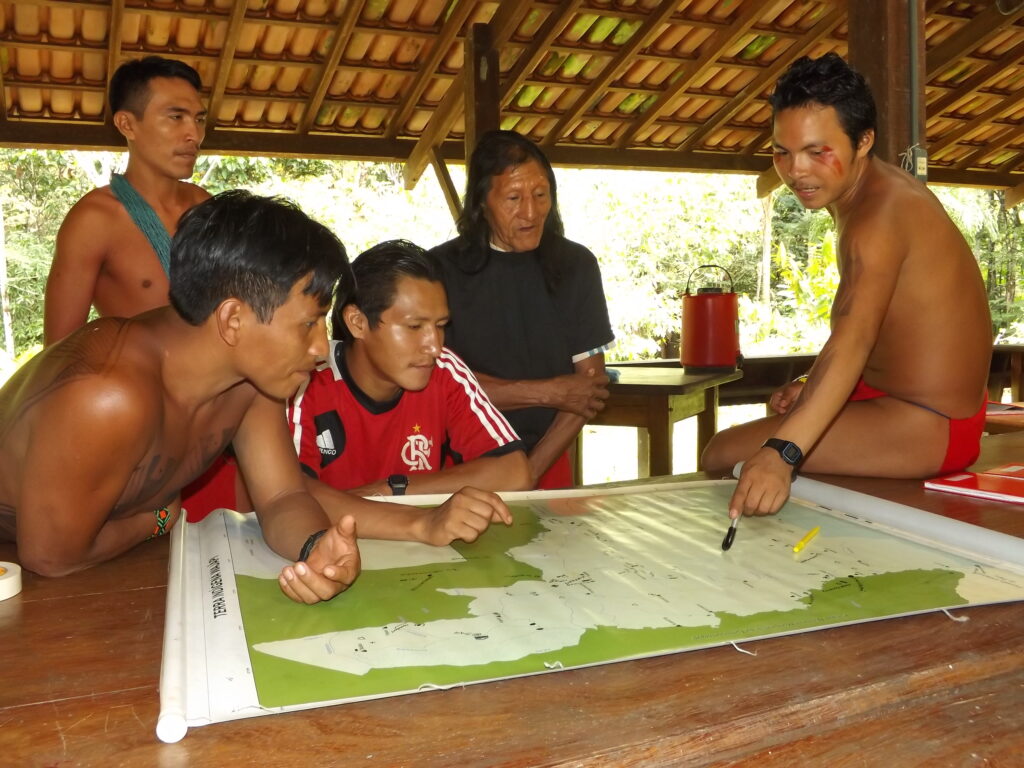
column 96, row 211
column 195, row 193
column 101, row 373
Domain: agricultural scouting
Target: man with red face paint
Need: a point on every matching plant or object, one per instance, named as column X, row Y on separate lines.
column 113, row 248
column 898, row 390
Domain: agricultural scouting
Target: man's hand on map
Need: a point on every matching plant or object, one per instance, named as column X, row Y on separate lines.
column 782, row 399
column 763, row 486
column 331, row 568
column 465, row 515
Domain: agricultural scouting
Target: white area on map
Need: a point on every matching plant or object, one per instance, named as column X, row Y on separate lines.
column 635, row 562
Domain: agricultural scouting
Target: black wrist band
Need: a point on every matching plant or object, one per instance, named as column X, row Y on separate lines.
column 307, row 548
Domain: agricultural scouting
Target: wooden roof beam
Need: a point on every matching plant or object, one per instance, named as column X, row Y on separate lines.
column 1008, row 136
column 976, row 122
column 768, row 181
column 503, row 26
column 342, row 34
column 530, row 58
column 438, row 50
column 225, row 63
column 966, row 39
column 979, row 79
column 1014, row 196
column 823, row 28
column 749, row 13
column 640, row 39
column 113, row 52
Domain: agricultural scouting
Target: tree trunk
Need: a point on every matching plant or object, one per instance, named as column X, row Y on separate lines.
column 5, row 305
column 764, row 284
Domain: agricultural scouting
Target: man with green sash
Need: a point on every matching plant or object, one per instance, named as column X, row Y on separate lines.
column 113, row 247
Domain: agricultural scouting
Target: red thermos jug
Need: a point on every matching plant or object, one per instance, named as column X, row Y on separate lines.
column 710, row 338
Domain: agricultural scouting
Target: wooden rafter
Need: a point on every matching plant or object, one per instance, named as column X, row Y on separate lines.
column 531, row 57
column 451, row 195
column 756, row 87
column 976, row 122
column 1008, row 136
column 220, row 81
column 341, row 37
column 113, row 51
column 1013, row 196
column 640, row 39
column 983, row 77
column 690, row 71
column 966, row 39
column 503, row 25
column 438, row 50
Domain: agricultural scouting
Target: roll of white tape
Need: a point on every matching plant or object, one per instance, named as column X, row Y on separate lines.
column 10, row 580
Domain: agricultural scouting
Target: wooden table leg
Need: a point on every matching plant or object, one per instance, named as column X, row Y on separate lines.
column 707, row 421
column 659, row 433
column 1015, row 375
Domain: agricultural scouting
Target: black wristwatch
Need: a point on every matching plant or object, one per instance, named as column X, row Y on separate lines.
column 790, row 452
column 307, row 548
column 398, row 484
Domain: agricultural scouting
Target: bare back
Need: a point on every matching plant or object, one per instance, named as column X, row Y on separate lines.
column 88, row 430
column 935, row 340
column 103, row 259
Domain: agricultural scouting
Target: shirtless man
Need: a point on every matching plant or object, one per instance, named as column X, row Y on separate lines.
column 898, row 388
column 104, row 427
column 103, row 257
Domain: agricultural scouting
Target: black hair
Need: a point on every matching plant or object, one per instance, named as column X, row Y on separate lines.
column 376, row 272
column 129, row 87
column 830, row 82
column 240, row 245
column 495, row 153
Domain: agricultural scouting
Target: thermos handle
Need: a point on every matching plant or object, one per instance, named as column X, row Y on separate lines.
column 709, row 266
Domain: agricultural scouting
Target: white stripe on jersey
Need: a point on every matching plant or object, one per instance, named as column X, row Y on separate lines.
column 491, row 418
column 296, row 415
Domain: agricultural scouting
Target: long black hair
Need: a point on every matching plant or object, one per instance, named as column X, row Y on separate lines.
column 495, row 153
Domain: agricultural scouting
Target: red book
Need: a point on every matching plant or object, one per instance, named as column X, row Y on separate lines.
column 998, row 484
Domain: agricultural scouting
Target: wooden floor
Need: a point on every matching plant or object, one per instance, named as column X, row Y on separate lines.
column 81, row 657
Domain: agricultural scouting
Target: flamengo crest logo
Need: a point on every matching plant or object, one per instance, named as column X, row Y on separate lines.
column 416, row 452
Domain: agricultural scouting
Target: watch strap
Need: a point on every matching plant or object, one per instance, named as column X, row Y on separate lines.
column 307, row 548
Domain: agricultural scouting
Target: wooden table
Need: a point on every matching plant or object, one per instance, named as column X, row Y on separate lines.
column 653, row 399
column 81, row 659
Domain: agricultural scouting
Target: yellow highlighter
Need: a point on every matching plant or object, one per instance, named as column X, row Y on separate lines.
column 806, row 539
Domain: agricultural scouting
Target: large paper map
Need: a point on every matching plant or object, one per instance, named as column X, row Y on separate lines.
column 574, row 581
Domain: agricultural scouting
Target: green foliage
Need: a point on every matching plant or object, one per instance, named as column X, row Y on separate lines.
column 798, row 319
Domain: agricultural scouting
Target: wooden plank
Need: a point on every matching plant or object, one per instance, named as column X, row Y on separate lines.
column 113, row 53
column 689, row 72
column 530, row 57
column 503, row 25
column 481, row 86
column 981, row 78
column 768, row 181
column 643, row 35
column 1007, row 137
column 342, row 34
column 998, row 109
column 224, row 64
column 1014, row 196
column 966, row 39
column 427, row 69
column 824, row 27
column 879, row 48
column 451, row 195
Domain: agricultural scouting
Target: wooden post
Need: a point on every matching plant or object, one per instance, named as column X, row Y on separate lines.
column 889, row 51
column 481, row 84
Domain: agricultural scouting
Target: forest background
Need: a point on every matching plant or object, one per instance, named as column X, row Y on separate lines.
column 649, row 230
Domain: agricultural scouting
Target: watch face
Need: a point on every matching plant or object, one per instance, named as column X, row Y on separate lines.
column 791, row 454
